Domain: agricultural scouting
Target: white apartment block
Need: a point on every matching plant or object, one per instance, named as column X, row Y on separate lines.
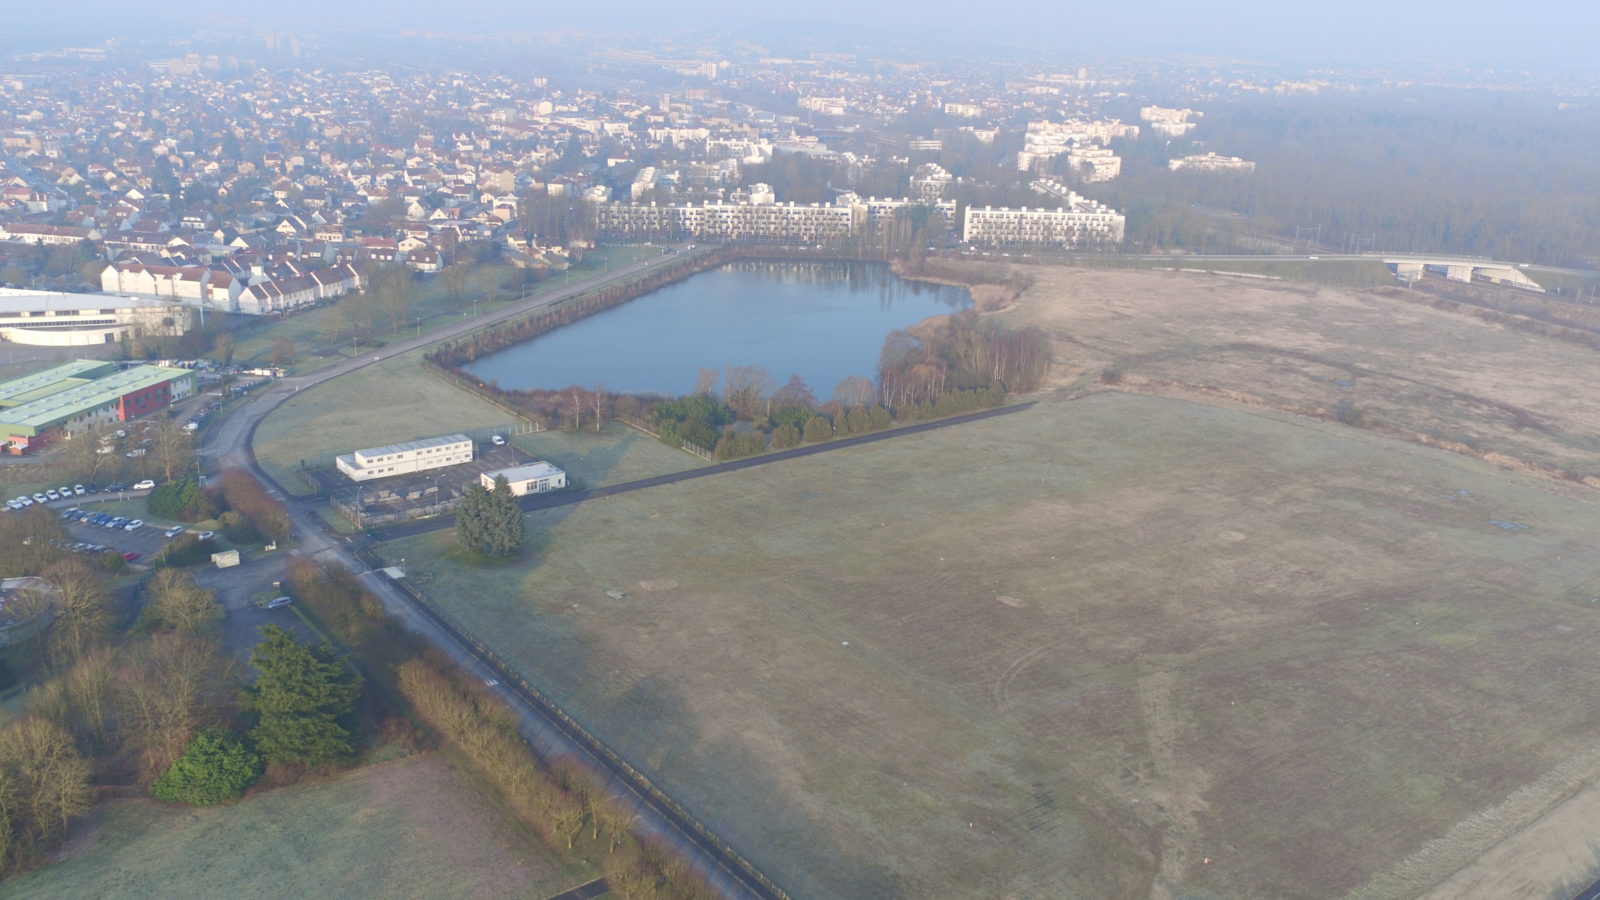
column 1210, row 162
column 758, row 219
column 1170, row 122
column 1094, row 164
column 1082, row 223
column 402, row 459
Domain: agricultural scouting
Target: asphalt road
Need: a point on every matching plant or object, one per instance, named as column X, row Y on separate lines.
column 227, row 445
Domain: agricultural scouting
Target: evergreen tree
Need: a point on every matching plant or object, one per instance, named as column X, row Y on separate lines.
column 299, row 697
column 490, row 522
column 216, row 766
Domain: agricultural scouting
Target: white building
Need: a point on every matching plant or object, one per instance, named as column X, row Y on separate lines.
column 1082, row 223
column 1211, row 162
column 1170, row 122
column 533, row 478
column 411, row 456
column 59, row 320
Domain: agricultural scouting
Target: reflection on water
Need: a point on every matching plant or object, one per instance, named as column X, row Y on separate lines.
column 823, row 321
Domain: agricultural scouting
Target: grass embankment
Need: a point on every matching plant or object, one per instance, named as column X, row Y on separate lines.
column 1064, row 652
column 398, row 400
column 321, row 335
column 414, row 827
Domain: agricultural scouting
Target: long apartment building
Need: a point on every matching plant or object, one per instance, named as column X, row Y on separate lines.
column 1082, row 223
column 402, row 459
column 811, row 223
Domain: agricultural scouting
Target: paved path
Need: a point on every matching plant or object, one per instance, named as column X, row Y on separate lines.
column 584, row 891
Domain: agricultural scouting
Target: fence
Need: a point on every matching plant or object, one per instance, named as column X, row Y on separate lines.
column 674, row 812
column 687, row 446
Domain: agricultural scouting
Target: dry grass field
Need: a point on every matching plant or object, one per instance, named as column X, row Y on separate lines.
column 1119, row 646
column 1397, row 363
column 410, row 828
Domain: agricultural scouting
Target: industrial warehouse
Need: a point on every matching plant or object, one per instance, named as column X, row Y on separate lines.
column 56, row 402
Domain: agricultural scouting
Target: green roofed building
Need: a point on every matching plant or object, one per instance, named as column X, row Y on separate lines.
column 57, row 402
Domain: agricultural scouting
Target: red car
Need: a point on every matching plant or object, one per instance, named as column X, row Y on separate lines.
column 130, row 556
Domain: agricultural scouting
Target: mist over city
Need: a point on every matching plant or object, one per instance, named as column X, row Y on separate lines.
column 824, row 450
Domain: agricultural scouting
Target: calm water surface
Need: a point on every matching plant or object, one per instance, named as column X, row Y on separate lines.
column 823, row 321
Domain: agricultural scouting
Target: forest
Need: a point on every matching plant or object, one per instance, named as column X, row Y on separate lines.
column 1501, row 175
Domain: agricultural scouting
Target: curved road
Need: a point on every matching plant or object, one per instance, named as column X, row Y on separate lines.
column 227, row 445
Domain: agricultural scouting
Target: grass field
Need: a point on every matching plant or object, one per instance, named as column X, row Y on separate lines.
column 398, row 400
column 410, row 828
column 1075, row 652
column 395, row 400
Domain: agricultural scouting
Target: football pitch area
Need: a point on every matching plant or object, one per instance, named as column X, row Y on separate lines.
column 1115, row 646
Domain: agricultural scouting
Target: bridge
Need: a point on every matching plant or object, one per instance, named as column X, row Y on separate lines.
column 1411, row 268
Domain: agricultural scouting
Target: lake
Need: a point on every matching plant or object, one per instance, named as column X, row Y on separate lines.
column 823, row 321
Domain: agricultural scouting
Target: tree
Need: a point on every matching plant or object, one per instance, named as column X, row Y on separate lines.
column 168, row 686
column 177, row 603
column 455, row 281
column 222, row 347
column 80, row 603
column 217, row 765
column 818, row 429
column 174, row 448
column 83, row 451
column 746, row 390
column 44, row 783
column 282, row 351
column 490, row 522
column 299, row 697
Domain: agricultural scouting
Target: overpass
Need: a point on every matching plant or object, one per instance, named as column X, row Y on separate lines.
column 1410, row 268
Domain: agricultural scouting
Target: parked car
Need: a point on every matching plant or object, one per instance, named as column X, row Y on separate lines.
column 134, row 525
column 144, row 485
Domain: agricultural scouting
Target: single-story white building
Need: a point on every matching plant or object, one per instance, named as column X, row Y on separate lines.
column 533, row 478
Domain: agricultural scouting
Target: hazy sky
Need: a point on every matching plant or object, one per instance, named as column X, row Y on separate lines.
column 1531, row 33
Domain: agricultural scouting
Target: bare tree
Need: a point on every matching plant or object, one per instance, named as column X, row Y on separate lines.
column 854, row 391
column 79, row 601
column 174, row 684
column 174, row 447
column 176, row 602
column 746, row 389
column 575, row 405
column 597, row 401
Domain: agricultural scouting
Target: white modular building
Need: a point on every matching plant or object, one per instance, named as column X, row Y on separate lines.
column 402, row 459
column 533, row 478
